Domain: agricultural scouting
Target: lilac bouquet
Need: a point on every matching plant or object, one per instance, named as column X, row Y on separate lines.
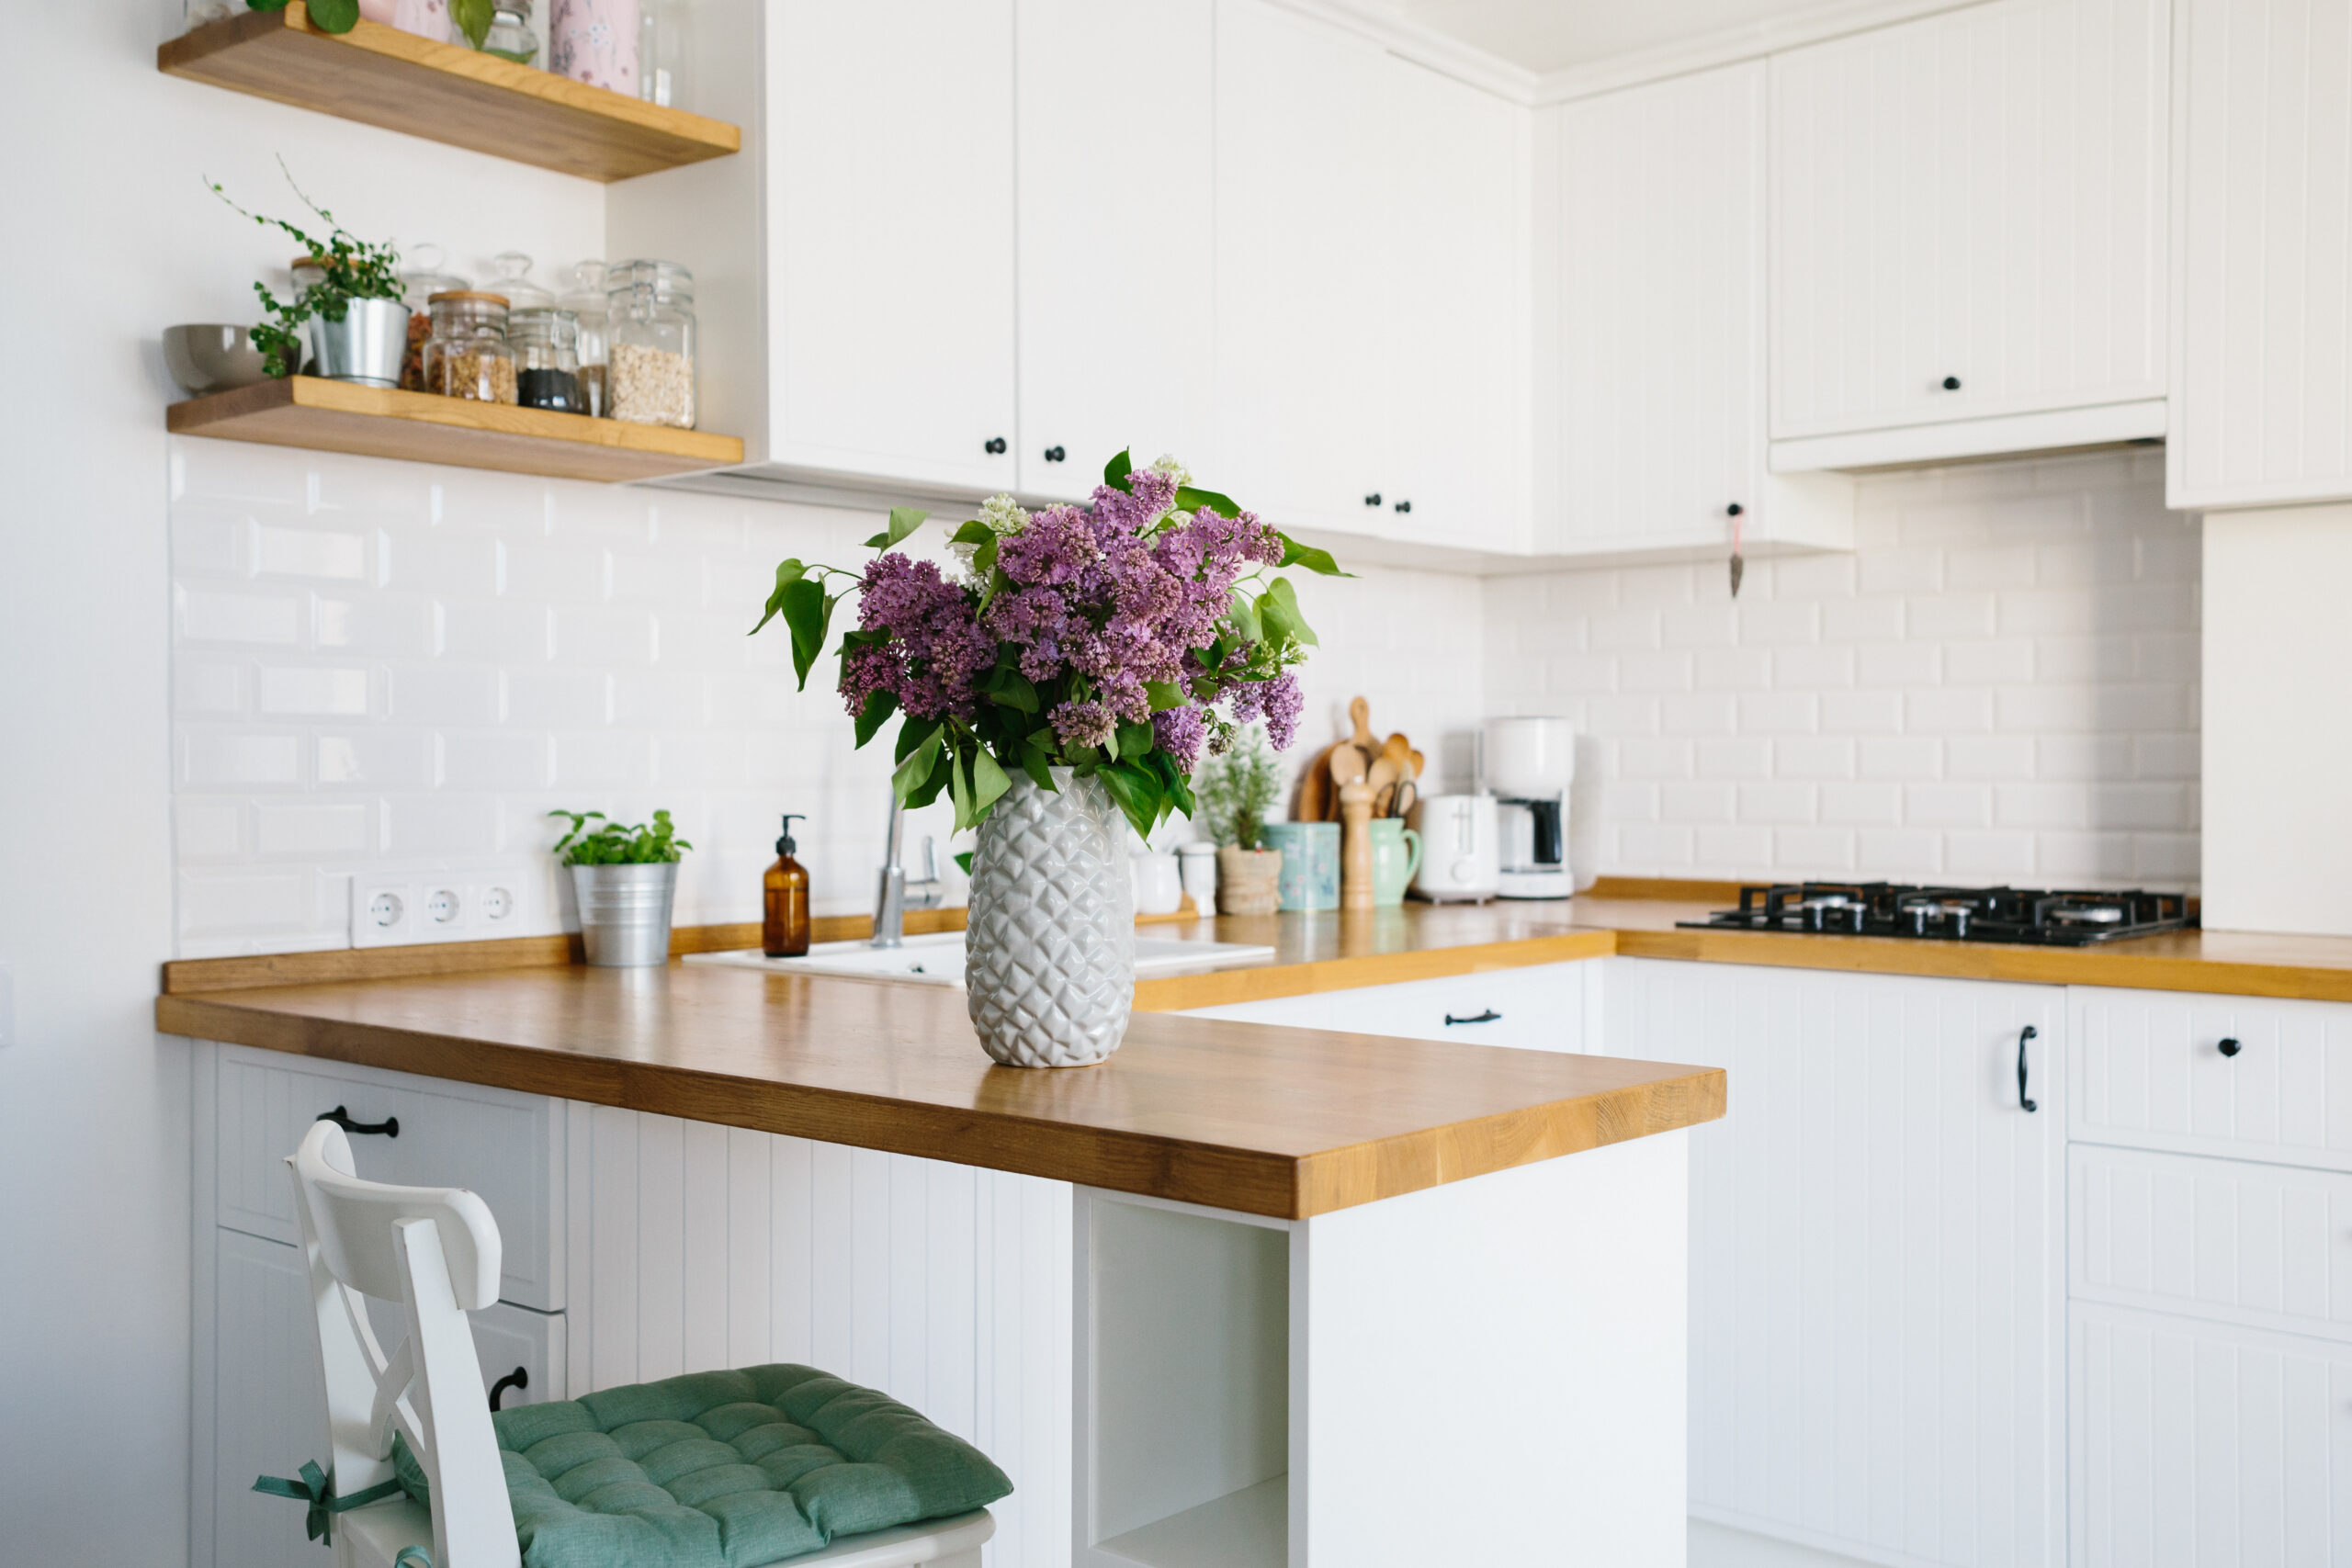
column 1126, row 639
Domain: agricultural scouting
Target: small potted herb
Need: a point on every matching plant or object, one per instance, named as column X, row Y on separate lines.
column 356, row 320
column 1235, row 791
column 626, row 879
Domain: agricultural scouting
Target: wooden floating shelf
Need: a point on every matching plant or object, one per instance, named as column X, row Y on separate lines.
column 444, row 91
column 378, row 422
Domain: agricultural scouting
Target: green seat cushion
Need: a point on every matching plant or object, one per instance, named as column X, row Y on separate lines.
column 721, row 1470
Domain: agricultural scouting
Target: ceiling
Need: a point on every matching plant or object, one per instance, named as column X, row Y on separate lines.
column 1548, row 35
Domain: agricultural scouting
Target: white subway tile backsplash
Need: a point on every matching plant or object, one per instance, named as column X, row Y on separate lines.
column 205, row 687
column 313, row 827
column 1948, row 710
column 314, row 691
column 227, row 759
column 424, row 826
column 1900, row 760
column 427, row 694
column 1989, row 857
column 375, row 759
column 392, row 627
column 310, row 552
column 223, row 615
column 1947, row 804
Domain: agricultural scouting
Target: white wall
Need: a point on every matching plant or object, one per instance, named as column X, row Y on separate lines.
column 2000, row 683
column 2278, row 733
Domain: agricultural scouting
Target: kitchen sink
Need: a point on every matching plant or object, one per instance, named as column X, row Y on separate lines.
column 938, row 959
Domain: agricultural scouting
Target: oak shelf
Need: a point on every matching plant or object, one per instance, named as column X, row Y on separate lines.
column 378, row 422
column 444, row 91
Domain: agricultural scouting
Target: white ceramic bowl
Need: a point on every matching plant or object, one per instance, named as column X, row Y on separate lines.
column 210, row 358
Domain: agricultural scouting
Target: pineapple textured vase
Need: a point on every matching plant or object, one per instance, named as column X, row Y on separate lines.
column 1049, row 968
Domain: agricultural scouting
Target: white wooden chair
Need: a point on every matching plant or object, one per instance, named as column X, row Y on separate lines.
column 435, row 1250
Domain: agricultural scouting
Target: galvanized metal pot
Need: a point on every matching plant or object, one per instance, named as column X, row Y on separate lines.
column 368, row 346
column 625, row 912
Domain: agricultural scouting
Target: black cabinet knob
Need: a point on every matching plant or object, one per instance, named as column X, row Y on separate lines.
column 2229, row 1048
column 1404, row 506
column 996, row 446
column 1054, row 454
column 1952, row 383
column 1373, row 499
column 1733, row 510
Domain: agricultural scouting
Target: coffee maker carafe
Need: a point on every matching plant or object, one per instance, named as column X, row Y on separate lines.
column 1527, row 764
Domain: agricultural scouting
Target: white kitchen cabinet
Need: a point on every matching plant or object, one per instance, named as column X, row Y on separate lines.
column 1877, row 1286
column 2200, row 1446
column 1969, row 222
column 1116, row 199
column 2262, row 367
column 1541, row 1007
column 1650, row 416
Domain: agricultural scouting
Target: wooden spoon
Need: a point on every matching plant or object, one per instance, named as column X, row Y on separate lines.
column 1348, row 766
column 1363, row 739
column 1399, row 753
column 1315, row 791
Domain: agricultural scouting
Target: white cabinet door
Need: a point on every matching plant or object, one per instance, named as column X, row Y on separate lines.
column 1542, row 1007
column 2262, row 371
column 890, row 146
column 1968, row 216
column 1117, row 197
column 2197, row 1446
column 1454, row 235
column 1877, row 1285
column 1302, row 377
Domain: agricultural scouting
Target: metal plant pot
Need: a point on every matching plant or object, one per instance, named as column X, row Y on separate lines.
column 625, row 912
column 367, row 346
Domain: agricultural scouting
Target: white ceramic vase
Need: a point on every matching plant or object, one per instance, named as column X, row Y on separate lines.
column 1049, row 952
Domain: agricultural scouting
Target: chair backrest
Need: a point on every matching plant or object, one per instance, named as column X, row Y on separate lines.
column 436, row 1251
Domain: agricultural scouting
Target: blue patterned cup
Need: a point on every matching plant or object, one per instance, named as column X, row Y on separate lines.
column 1310, row 877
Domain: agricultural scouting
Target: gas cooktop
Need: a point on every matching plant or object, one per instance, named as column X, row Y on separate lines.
column 1952, row 914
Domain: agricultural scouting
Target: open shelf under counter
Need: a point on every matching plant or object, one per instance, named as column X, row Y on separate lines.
column 378, row 421
column 444, row 92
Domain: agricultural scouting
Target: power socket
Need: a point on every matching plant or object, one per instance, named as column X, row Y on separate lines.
column 460, row 904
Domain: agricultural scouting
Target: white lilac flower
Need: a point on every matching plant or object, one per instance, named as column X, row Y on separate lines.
column 1003, row 517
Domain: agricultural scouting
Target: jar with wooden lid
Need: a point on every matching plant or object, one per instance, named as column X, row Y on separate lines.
column 547, row 359
column 420, row 278
column 650, row 344
column 467, row 356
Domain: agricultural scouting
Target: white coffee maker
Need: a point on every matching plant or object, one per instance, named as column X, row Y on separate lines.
column 1527, row 764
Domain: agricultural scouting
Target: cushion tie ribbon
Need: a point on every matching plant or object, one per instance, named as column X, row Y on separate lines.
column 316, row 1488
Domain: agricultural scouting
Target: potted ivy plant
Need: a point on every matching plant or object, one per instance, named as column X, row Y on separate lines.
column 354, row 316
column 1235, row 791
column 626, row 879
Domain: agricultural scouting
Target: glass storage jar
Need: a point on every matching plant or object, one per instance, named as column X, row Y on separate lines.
column 421, row 279
column 510, row 36
column 587, row 304
column 649, row 350
column 467, row 356
column 547, row 359
column 511, row 278
column 661, row 53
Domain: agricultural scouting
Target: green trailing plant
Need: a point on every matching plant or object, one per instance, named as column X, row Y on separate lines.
column 327, row 16
column 640, row 844
column 354, row 270
column 1237, row 790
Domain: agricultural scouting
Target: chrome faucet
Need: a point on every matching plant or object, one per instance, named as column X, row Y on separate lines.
column 892, row 898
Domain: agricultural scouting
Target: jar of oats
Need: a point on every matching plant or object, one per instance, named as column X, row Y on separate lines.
column 467, row 356
column 650, row 344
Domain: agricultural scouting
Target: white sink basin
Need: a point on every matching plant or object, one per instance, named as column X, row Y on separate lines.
column 938, row 959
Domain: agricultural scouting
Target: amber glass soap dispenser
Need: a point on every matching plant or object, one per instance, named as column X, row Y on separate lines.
column 783, row 924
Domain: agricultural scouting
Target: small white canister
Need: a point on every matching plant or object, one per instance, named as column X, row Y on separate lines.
column 1198, row 863
column 596, row 41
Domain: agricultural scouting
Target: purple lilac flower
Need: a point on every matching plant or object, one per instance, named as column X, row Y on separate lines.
column 1085, row 724
column 938, row 651
column 1181, row 733
column 1279, row 702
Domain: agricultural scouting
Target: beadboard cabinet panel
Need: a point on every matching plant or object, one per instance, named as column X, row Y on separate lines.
column 696, row 1247
column 1116, row 309
column 1978, row 195
column 2199, row 1446
column 2262, row 408
column 1877, row 1286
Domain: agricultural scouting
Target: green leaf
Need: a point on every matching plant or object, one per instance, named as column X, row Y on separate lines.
column 1012, row 688
column 1191, row 500
column 928, row 791
column 916, row 769
column 1244, row 619
column 998, row 581
column 334, row 16
column 1164, row 694
column 1278, row 607
column 988, row 783
column 1136, row 792
column 875, row 715
column 984, row 560
column 809, row 614
column 1180, row 790
column 280, row 5
column 916, row 733
column 959, row 790
column 1134, row 739
column 1036, row 765
column 973, row 533
column 473, row 18
column 1116, row 470
column 963, row 860
column 904, row 520
column 1313, row 559
column 787, row 573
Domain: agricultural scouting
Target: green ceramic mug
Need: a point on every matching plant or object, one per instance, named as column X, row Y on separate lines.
column 1395, row 855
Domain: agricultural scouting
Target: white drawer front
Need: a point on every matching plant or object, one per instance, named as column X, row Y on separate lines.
column 507, row 1147
column 2266, row 1246
column 1536, row 1009
column 2150, row 1072
column 2206, row 1446
column 1312, row 1011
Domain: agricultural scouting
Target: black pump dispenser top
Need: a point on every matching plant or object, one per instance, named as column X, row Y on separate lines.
column 785, row 845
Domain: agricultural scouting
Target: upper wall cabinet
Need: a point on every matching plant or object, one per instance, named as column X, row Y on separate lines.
column 2262, row 411
column 1649, row 409
column 1968, row 219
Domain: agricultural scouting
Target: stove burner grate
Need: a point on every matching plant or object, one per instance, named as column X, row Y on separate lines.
column 1952, row 914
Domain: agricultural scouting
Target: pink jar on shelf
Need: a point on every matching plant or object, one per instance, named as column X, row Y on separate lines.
column 596, row 41
column 426, row 18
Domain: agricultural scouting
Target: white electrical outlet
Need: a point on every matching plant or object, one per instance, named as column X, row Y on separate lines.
column 456, row 904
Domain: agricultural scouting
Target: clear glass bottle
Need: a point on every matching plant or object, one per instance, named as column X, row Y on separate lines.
column 649, row 352
column 421, row 279
column 587, row 304
column 467, row 356
column 547, row 359
column 510, row 276
column 660, row 52
column 510, row 36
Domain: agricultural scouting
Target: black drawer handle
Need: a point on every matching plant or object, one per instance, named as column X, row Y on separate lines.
column 2028, row 1032
column 2229, row 1048
column 389, row 1127
column 1490, row 1016
column 518, row 1378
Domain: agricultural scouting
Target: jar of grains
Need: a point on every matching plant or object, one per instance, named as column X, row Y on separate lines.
column 547, row 359
column 586, row 301
column 467, row 356
column 421, row 279
column 650, row 344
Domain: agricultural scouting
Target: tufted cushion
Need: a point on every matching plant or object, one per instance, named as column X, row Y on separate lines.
column 722, row 1470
